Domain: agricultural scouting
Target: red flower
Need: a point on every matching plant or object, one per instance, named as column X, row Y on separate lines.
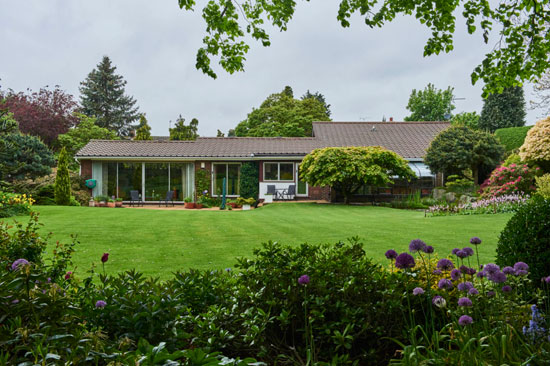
column 68, row 275
column 105, row 257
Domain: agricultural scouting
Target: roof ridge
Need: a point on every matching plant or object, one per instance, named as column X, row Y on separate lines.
column 381, row 122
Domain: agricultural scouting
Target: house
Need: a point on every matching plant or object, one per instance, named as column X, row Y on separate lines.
column 154, row 167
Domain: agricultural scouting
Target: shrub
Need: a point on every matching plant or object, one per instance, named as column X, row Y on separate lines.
column 12, row 204
column 62, row 190
column 43, row 188
column 493, row 205
column 543, row 185
column 506, row 180
column 512, row 137
column 512, row 159
column 536, row 148
column 526, row 238
column 202, row 181
column 249, row 183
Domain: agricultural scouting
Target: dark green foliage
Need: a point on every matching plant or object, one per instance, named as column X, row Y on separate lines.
column 430, row 104
column 250, row 181
column 282, row 115
column 62, row 190
column 503, row 110
column 182, row 132
column 24, row 156
column 202, row 181
column 459, row 149
column 526, row 238
column 512, row 137
column 103, row 96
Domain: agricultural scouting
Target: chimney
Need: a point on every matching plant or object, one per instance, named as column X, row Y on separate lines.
column 391, row 119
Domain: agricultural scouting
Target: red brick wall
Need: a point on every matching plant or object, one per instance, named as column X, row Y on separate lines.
column 319, row 193
column 86, row 169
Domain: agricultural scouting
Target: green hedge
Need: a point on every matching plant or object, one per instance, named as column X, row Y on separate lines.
column 512, row 138
column 250, row 182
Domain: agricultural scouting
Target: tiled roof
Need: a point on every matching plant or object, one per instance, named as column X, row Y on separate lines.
column 409, row 139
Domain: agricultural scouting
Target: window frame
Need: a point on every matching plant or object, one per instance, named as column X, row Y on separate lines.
column 279, row 171
column 213, row 178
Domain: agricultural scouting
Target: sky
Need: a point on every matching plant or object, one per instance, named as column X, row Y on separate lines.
column 363, row 73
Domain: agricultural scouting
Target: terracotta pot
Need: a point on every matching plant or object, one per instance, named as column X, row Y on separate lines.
column 189, row 205
column 102, row 204
column 232, row 204
column 118, row 203
column 198, row 205
column 111, row 204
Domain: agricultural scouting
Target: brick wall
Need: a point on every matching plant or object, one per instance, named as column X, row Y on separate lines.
column 86, row 169
column 319, row 193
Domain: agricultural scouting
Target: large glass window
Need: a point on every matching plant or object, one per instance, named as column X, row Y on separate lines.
column 156, row 181
column 182, row 180
column 109, row 179
column 129, row 179
column 232, row 174
column 279, row 171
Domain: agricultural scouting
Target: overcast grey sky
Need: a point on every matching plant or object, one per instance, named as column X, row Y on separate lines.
column 364, row 73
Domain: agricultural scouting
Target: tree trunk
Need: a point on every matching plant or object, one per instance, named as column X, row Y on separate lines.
column 346, row 197
column 475, row 174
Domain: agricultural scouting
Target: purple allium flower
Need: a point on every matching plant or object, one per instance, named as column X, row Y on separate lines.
column 521, row 272
column 475, row 240
column 461, row 254
column 16, row 301
column 473, row 291
column 19, row 262
column 68, row 275
column 418, row 291
column 404, row 261
column 481, row 274
column 465, row 286
column 445, row 284
column 455, row 250
column 491, row 268
column 465, row 320
column 416, row 244
column 437, row 272
column 506, row 288
column 445, row 264
column 105, row 257
column 464, row 301
column 428, row 249
column 498, row 277
column 490, row 293
column 508, row 270
column 49, row 279
column 455, row 274
column 469, row 251
column 439, row 301
column 546, row 279
column 391, row 254
column 228, row 269
column 521, row 266
column 100, row 304
column 303, row 280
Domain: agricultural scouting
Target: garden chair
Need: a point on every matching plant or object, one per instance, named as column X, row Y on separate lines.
column 169, row 197
column 134, row 198
column 271, row 189
column 290, row 192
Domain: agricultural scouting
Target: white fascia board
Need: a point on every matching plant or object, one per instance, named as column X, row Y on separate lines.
column 189, row 159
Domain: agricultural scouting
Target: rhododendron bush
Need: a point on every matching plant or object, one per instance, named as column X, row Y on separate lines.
column 505, row 180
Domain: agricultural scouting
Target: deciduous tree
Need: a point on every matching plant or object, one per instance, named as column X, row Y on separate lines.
column 468, row 119
column 143, row 131
column 183, row 132
column 503, row 110
column 347, row 169
column 430, row 104
column 103, row 96
column 459, row 149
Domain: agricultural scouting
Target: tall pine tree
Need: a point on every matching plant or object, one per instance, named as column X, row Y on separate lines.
column 62, row 188
column 102, row 96
column 503, row 110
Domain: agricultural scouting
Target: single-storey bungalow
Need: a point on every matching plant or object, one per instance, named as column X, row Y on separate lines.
column 154, row 167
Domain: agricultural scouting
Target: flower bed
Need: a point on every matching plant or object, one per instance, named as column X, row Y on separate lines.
column 512, row 179
column 493, row 205
column 13, row 204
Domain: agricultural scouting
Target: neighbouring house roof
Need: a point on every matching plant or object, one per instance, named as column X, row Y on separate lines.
column 408, row 139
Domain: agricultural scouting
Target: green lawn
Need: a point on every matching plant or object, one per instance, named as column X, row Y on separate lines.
column 158, row 242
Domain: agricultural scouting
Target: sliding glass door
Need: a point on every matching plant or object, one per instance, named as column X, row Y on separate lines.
column 232, row 174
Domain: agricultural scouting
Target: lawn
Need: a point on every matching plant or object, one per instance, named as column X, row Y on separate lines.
column 159, row 242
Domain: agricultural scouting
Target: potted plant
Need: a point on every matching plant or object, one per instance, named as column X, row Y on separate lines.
column 268, row 198
column 103, row 201
column 245, row 202
column 200, row 202
column 188, row 202
column 233, row 203
column 111, row 203
column 118, row 202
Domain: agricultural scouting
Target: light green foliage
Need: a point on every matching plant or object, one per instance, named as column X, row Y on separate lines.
column 143, row 130
column 182, row 132
column 543, row 185
column 283, row 115
column 346, row 169
column 87, row 129
column 468, row 119
column 520, row 55
column 430, row 104
column 512, row 159
column 459, row 149
column 536, row 147
column 321, row 98
column 512, row 137
column 62, row 191
column 103, row 96
column 8, row 124
column 503, row 110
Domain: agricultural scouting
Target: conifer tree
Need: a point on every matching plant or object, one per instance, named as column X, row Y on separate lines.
column 143, row 130
column 62, row 189
column 183, row 132
column 503, row 110
column 103, row 96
